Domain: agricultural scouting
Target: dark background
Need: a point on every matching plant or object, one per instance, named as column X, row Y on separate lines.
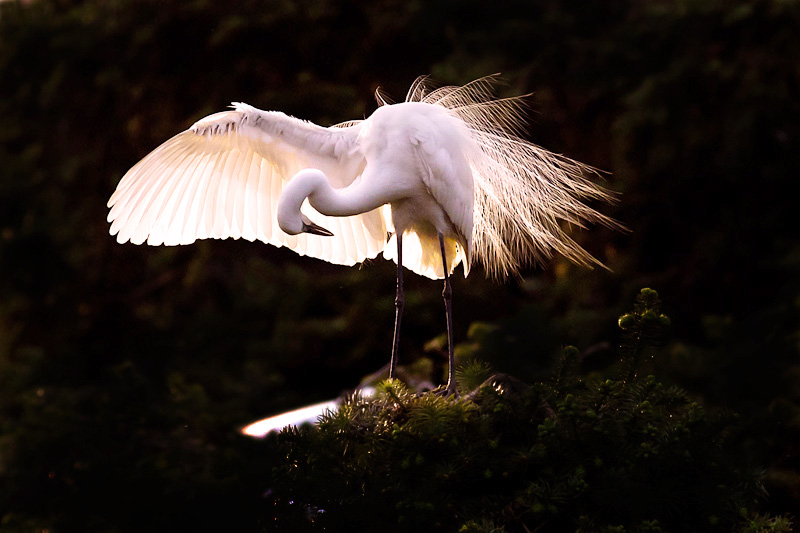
column 126, row 371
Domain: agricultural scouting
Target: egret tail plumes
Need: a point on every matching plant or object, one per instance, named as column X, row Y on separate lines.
column 523, row 193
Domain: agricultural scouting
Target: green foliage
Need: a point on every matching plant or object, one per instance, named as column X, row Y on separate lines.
column 470, row 375
column 643, row 327
column 564, row 454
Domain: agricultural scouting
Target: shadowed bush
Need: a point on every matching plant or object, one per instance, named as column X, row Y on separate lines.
column 566, row 454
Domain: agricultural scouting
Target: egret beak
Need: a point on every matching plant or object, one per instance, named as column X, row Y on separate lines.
column 310, row 227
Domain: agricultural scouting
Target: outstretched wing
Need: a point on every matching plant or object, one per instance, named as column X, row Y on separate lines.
column 223, row 177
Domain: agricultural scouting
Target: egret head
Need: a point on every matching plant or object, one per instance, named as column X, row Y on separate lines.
column 290, row 219
column 299, row 223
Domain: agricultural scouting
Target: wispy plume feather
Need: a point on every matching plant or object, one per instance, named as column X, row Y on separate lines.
column 523, row 193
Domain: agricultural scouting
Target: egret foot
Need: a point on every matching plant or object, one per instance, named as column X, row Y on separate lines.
column 446, row 391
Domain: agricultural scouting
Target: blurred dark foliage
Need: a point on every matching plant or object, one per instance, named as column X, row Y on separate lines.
column 565, row 454
column 125, row 371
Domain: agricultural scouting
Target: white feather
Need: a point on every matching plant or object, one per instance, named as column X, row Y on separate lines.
column 447, row 161
column 522, row 192
column 223, row 177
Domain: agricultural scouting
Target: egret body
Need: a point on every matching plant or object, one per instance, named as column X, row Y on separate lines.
column 439, row 180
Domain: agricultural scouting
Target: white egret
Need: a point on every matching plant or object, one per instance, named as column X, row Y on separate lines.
column 440, row 179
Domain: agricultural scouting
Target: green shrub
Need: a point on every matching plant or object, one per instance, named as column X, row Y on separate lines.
column 622, row 454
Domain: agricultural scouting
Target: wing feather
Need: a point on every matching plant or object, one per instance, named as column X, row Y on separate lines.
column 223, row 179
column 358, row 238
column 214, row 195
column 231, row 181
column 349, row 243
column 237, row 206
column 267, row 200
column 168, row 198
column 125, row 208
column 249, row 198
column 191, row 223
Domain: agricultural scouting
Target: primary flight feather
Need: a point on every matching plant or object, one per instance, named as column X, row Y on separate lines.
column 440, row 179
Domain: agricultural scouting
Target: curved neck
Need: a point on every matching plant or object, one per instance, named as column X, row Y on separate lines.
column 314, row 185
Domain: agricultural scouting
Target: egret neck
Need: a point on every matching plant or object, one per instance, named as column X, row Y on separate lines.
column 311, row 183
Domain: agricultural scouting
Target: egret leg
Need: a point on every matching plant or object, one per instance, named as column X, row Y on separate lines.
column 447, row 294
column 399, row 301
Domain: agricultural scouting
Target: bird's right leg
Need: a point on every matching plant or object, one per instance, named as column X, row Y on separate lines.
column 399, row 301
column 447, row 294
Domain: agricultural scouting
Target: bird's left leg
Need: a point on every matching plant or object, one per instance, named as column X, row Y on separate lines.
column 447, row 294
column 399, row 300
